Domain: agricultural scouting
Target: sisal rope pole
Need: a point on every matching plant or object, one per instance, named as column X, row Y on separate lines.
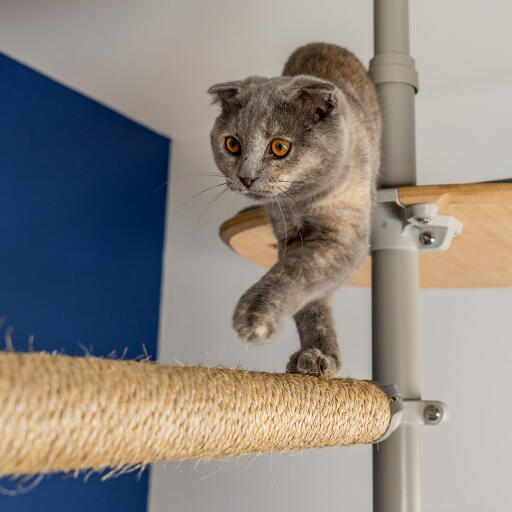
column 69, row 413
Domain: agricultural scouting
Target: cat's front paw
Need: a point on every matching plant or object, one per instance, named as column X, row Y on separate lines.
column 312, row 361
column 256, row 319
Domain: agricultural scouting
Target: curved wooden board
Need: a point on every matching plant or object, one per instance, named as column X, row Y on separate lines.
column 481, row 257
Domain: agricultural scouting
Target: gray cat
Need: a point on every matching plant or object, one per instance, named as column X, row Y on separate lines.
column 307, row 146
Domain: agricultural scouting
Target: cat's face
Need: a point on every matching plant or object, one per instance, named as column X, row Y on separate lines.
column 279, row 137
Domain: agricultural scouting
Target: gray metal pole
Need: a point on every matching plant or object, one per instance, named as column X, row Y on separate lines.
column 393, row 71
column 397, row 462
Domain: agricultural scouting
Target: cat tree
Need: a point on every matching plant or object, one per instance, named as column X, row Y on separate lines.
column 67, row 413
column 408, row 220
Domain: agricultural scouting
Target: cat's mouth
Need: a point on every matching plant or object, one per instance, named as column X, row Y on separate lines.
column 256, row 195
column 259, row 196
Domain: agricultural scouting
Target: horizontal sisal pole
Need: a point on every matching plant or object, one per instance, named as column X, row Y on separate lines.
column 69, row 413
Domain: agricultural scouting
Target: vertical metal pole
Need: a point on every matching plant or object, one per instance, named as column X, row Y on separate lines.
column 397, row 462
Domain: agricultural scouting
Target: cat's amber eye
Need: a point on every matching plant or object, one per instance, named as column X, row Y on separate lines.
column 280, row 147
column 233, row 146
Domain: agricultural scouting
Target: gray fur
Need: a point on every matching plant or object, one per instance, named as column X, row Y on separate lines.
column 318, row 198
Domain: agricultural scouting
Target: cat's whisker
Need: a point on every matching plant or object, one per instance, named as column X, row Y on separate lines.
column 207, row 174
column 198, row 176
column 284, row 222
column 201, row 173
column 207, row 207
column 290, row 181
column 203, row 191
column 208, row 170
column 160, row 186
column 301, row 255
column 285, row 192
column 213, row 201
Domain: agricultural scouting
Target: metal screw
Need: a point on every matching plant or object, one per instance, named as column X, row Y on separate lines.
column 424, row 220
column 433, row 414
column 427, row 238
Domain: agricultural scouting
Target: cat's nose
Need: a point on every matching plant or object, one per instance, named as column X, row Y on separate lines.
column 247, row 182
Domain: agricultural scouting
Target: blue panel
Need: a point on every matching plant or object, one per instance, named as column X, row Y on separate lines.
column 81, row 237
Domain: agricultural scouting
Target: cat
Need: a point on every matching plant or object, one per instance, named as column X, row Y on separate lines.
column 306, row 145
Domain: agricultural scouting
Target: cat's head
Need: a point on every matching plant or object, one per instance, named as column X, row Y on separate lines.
column 281, row 137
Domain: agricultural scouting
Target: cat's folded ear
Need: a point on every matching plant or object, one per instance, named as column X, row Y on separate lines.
column 225, row 91
column 315, row 95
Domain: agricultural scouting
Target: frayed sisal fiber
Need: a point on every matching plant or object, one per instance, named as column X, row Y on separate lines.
column 69, row 413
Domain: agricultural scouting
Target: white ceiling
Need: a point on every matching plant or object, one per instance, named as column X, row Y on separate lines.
column 153, row 60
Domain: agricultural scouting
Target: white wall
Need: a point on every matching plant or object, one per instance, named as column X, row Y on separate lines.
column 153, row 60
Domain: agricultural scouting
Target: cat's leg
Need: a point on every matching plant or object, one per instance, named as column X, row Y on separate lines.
column 309, row 271
column 262, row 309
column 319, row 353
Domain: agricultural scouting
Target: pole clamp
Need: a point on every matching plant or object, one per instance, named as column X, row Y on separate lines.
column 394, row 67
column 414, row 227
column 396, row 409
column 411, row 412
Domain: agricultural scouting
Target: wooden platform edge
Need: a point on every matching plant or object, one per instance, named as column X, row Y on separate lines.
column 479, row 192
column 253, row 218
column 485, row 209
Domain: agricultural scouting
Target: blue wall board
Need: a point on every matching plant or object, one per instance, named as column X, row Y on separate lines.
column 82, row 212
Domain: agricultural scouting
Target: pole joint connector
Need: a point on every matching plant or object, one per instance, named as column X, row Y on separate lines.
column 415, row 227
column 394, row 67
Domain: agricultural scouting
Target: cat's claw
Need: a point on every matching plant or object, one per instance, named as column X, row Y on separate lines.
column 312, row 361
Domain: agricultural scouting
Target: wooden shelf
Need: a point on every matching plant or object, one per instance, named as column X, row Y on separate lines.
column 478, row 258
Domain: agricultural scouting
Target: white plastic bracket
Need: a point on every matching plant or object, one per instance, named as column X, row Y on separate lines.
column 396, row 409
column 424, row 412
column 412, row 412
column 419, row 226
